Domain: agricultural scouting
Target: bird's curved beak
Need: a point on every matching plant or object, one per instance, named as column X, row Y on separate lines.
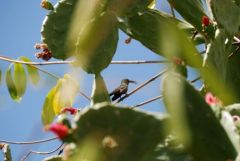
column 130, row 81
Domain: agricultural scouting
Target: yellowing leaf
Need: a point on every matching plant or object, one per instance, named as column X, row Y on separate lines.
column 20, row 79
column 66, row 90
column 32, row 71
column 47, row 112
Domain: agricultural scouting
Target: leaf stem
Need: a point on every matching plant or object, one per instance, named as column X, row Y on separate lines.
column 41, row 153
column 28, row 142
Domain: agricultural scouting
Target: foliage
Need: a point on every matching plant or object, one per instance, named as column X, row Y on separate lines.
column 193, row 129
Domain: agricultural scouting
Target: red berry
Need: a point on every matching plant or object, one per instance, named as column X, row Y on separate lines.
column 59, row 129
column 72, row 110
column 205, row 21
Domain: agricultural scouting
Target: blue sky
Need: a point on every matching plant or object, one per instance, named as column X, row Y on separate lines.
column 20, row 30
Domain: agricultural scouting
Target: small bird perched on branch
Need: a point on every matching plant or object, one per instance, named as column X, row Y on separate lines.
column 122, row 89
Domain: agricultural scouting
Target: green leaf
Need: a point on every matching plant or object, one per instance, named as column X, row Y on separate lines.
column 226, row 67
column 11, row 85
column 56, row 26
column 7, row 153
column 113, row 133
column 194, row 122
column 186, row 8
column 48, row 114
column 32, row 71
column 155, row 33
column 54, row 158
column 227, row 17
column 99, row 91
column 20, row 79
column 94, row 53
column 47, row 5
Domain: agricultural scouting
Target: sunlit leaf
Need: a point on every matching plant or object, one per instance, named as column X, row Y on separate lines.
column 11, row 85
column 20, row 79
column 94, row 53
column 152, row 5
column 66, row 90
column 99, row 91
column 32, row 71
column 47, row 111
column 54, row 158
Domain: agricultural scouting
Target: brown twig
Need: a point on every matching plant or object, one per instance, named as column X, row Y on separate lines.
column 41, row 153
column 28, row 142
column 195, row 80
column 142, row 85
column 146, row 102
column 72, row 61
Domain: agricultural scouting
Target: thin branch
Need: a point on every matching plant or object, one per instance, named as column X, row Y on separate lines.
column 146, row 102
column 195, row 80
column 72, row 61
column 140, row 62
column 28, row 142
column 172, row 11
column 32, row 64
column 142, row 85
column 41, row 153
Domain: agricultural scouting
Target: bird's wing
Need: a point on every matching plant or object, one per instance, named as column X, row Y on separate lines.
column 117, row 90
column 123, row 89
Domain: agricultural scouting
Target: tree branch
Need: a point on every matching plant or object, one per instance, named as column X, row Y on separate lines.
column 41, row 153
column 28, row 142
column 72, row 61
column 146, row 102
column 142, row 85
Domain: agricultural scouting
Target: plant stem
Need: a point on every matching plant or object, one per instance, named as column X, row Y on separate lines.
column 41, row 153
column 72, row 61
column 146, row 102
column 28, row 142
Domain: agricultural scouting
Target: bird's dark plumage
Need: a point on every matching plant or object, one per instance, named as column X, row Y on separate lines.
column 122, row 89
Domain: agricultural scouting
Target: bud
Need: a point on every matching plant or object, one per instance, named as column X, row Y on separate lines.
column 46, row 5
column 205, row 21
column 128, row 40
column 59, row 129
column 212, row 100
column 71, row 110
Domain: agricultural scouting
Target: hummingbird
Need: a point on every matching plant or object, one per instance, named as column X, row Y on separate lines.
column 120, row 90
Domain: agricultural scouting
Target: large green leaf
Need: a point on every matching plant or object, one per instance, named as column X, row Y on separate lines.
column 99, row 91
column 155, row 31
column 226, row 67
column 20, row 79
column 190, row 10
column 227, row 15
column 11, row 85
column 97, row 43
column 47, row 111
column 32, row 71
column 169, row 151
column 195, row 123
column 111, row 133
column 56, row 26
